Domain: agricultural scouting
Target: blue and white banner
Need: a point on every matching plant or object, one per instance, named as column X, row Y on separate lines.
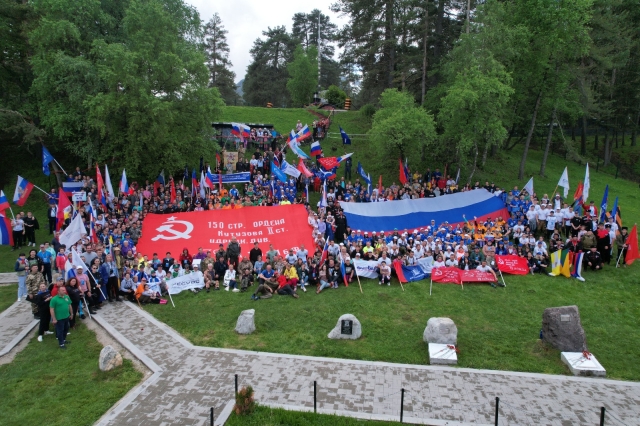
column 366, row 268
column 185, row 282
column 412, row 214
column 232, row 177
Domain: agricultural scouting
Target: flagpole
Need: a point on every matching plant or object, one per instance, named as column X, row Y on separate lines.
column 619, row 256
column 56, row 161
column 37, row 187
column 430, row 286
column 12, row 215
column 357, row 276
column 502, row 276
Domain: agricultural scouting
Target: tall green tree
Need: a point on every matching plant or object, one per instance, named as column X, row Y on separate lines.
column 303, row 75
column 217, row 57
column 156, row 105
column 401, row 129
column 267, row 75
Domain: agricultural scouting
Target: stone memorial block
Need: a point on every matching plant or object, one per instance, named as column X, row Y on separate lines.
column 246, row 323
column 348, row 327
column 583, row 364
column 442, row 331
column 109, row 358
column 440, row 354
column 561, row 328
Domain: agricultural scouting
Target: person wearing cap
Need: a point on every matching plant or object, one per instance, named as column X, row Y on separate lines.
column 603, row 243
column 593, row 259
column 621, row 243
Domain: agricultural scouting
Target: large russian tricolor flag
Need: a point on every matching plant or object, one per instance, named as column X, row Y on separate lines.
column 70, row 187
column 6, row 236
column 240, row 129
column 23, row 189
column 304, row 133
column 411, row 214
column 316, row 149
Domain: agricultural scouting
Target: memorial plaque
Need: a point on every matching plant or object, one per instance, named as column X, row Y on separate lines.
column 346, row 327
column 565, row 318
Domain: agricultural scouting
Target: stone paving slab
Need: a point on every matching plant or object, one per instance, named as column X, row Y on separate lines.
column 15, row 324
column 193, row 379
column 8, row 278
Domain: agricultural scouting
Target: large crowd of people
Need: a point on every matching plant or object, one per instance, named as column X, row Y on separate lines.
column 537, row 226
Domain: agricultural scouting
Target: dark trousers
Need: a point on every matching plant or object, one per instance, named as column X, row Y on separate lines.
column 74, row 306
column 112, row 288
column 45, row 319
column 46, row 271
column 286, row 290
column 126, row 294
column 30, row 235
column 62, row 328
column 52, row 225
column 17, row 239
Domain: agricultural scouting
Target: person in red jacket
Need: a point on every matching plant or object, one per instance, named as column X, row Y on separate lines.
column 185, row 257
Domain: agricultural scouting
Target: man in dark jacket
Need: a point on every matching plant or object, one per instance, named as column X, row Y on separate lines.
column 42, row 299
column 233, row 251
column 594, row 259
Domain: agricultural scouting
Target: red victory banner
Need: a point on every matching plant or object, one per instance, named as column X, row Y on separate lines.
column 446, row 275
column 283, row 226
column 511, row 264
column 475, row 276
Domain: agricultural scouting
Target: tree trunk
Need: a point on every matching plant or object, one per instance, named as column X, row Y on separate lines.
column 484, row 155
column 615, row 133
column 634, row 132
column 437, row 46
column 573, row 133
column 468, row 8
column 543, row 165
column 595, row 144
column 607, row 158
column 389, row 41
column 425, row 41
column 523, row 162
column 583, row 136
column 475, row 161
column 624, row 132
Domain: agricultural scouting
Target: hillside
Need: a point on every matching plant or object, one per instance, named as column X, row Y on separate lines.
column 284, row 119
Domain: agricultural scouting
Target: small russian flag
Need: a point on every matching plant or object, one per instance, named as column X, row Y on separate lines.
column 304, row 133
column 316, row 149
column 4, row 203
column 23, row 189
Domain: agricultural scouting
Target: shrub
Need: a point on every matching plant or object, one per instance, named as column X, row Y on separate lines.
column 367, row 111
column 244, row 401
column 336, row 96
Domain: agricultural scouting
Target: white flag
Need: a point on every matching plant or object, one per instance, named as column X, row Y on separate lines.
column 203, row 185
column 564, row 182
column 529, row 187
column 185, row 282
column 587, row 185
column 289, row 169
column 74, row 232
column 107, row 184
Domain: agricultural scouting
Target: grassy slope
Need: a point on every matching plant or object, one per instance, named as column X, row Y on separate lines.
column 64, row 387
column 264, row 416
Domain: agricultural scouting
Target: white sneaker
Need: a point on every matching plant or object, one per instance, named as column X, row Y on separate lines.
column 68, row 333
column 379, row 282
column 47, row 333
column 19, row 299
column 304, row 289
column 388, row 283
column 39, row 338
column 235, row 290
column 226, row 289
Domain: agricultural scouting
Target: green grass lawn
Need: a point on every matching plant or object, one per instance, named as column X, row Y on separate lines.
column 283, row 119
column 265, row 416
column 497, row 328
column 8, row 295
column 45, row 385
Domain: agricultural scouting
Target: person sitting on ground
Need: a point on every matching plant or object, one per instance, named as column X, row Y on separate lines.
column 284, row 288
column 267, row 284
column 210, row 278
column 349, row 271
column 219, row 269
column 230, row 279
column 127, row 287
column 149, row 296
column 483, row 267
column 594, row 258
column 385, row 273
column 291, row 275
column 323, row 278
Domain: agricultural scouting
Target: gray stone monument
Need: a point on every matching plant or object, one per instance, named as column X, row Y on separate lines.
column 561, row 328
column 348, row 327
column 246, row 323
column 442, row 331
column 109, row 358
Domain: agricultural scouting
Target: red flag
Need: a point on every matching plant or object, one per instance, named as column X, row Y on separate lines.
column 512, row 264
column 173, row 192
column 100, row 183
column 446, row 275
column 328, row 163
column 632, row 246
column 578, row 193
column 303, row 169
column 397, row 266
column 63, row 204
column 403, row 176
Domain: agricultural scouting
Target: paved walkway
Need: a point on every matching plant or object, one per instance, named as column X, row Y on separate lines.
column 189, row 379
column 8, row 278
column 17, row 321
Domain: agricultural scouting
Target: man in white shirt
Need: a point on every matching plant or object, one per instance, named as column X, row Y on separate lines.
column 551, row 223
column 483, row 267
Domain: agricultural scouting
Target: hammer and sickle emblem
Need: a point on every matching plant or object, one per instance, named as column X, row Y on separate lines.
column 174, row 234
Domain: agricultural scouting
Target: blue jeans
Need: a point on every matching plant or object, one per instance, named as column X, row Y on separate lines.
column 323, row 285
column 62, row 328
column 22, row 287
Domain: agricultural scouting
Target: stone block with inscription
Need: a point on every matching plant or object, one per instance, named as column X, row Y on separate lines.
column 348, row 327
column 441, row 330
column 561, row 328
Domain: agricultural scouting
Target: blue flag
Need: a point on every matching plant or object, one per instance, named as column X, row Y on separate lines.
column 345, row 138
column 279, row 174
column 46, row 159
column 603, row 204
column 362, row 174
